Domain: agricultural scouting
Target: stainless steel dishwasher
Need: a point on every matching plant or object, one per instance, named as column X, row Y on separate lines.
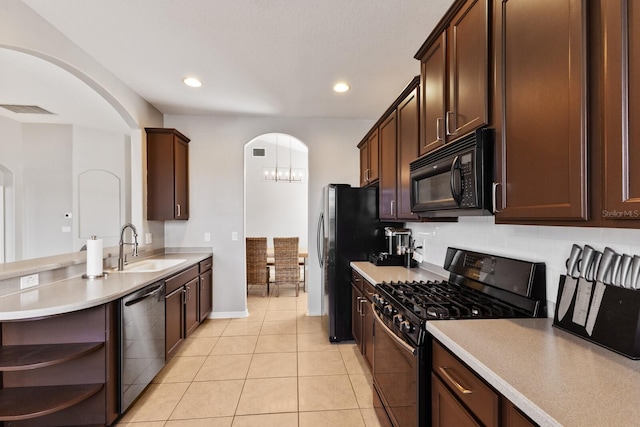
column 142, row 337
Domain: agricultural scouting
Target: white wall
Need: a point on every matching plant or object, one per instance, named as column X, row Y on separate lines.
column 11, row 170
column 47, row 189
column 107, row 152
column 550, row 245
column 216, row 156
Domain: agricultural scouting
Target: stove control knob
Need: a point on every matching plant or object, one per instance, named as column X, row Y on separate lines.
column 397, row 319
column 389, row 310
column 378, row 300
column 406, row 327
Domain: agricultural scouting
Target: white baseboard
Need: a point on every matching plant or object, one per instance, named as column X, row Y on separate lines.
column 228, row 314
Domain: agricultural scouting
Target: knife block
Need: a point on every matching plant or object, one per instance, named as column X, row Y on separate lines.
column 617, row 325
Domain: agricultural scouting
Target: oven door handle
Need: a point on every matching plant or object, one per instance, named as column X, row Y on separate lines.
column 389, row 332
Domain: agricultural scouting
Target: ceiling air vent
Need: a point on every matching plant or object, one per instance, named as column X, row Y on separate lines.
column 259, row 152
column 25, row 109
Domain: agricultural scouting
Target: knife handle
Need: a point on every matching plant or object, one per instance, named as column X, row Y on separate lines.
column 613, row 271
column 572, row 261
column 623, row 273
column 595, row 265
column 605, row 262
column 635, row 272
column 585, row 262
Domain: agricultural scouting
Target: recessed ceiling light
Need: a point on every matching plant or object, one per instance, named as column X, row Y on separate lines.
column 341, row 87
column 192, row 81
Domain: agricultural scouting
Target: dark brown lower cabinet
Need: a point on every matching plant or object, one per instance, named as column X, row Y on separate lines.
column 60, row 370
column 459, row 397
column 187, row 303
column 205, row 291
column 192, row 306
column 447, row 410
column 362, row 315
column 181, row 308
column 174, row 327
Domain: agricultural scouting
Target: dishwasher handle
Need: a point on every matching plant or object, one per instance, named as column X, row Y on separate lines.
column 144, row 296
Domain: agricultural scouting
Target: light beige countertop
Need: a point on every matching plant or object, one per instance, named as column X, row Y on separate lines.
column 77, row 293
column 376, row 274
column 554, row 377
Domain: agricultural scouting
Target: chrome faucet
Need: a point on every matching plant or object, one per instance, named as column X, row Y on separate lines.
column 121, row 256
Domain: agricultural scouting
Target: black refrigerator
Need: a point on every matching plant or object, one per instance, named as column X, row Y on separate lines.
column 348, row 230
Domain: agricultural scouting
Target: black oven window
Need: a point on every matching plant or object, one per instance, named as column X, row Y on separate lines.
column 434, row 188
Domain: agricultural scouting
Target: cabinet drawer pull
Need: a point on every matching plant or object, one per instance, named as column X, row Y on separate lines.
column 457, row 385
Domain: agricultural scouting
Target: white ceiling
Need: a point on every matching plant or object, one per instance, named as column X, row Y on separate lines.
column 269, row 57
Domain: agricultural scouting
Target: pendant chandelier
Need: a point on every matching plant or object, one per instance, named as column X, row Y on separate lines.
column 283, row 173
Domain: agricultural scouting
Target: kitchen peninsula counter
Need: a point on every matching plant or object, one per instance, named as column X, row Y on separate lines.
column 77, row 293
column 554, row 377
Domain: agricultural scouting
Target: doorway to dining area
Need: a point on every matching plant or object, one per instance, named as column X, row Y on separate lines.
column 276, row 192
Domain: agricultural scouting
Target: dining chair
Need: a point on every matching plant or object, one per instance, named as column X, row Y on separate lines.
column 257, row 268
column 285, row 250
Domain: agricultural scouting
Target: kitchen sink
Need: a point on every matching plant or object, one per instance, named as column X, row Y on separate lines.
column 151, row 265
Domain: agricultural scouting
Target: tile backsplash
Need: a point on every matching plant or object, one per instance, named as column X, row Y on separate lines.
column 550, row 245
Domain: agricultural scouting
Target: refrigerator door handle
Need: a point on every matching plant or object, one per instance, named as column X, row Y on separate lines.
column 320, row 239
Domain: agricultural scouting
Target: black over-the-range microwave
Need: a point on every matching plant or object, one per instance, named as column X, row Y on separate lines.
column 455, row 179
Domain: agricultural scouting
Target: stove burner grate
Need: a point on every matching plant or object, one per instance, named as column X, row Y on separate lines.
column 445, row 300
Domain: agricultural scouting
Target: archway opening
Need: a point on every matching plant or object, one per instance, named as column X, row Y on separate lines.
column 277, row 190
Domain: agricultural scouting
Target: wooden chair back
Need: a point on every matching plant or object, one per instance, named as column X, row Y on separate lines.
column 256, row 258
column 286, row 251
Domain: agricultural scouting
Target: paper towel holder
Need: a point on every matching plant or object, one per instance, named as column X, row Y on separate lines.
column 94, row 276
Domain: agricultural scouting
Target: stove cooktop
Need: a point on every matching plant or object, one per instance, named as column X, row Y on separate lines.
column 432, row 300
column 481, row 286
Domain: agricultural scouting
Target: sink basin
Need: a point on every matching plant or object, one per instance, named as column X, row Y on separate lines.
column 151, row 265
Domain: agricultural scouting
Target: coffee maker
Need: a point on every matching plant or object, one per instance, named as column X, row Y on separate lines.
column 397, row 240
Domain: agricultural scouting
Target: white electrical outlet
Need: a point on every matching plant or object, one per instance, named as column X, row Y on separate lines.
column 66, row 229
column 207, row 237
column 234, row 236
column 148, row 238
column 29, row 281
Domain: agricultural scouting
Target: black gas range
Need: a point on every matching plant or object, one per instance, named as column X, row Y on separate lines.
column 480, row 286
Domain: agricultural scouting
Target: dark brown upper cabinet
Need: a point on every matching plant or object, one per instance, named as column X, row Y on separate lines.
column 398, row 131
column 388, row 167
column 455, row 75
column 541, row 110
column 167, row 174
column 369, row 158
column 621, row 106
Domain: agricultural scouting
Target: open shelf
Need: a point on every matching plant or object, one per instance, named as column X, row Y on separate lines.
column 22, row 403
column 23, row 357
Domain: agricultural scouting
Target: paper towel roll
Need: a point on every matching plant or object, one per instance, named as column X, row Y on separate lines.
column 94, row 257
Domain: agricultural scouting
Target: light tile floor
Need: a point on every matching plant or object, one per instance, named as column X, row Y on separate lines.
column 273, row 368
